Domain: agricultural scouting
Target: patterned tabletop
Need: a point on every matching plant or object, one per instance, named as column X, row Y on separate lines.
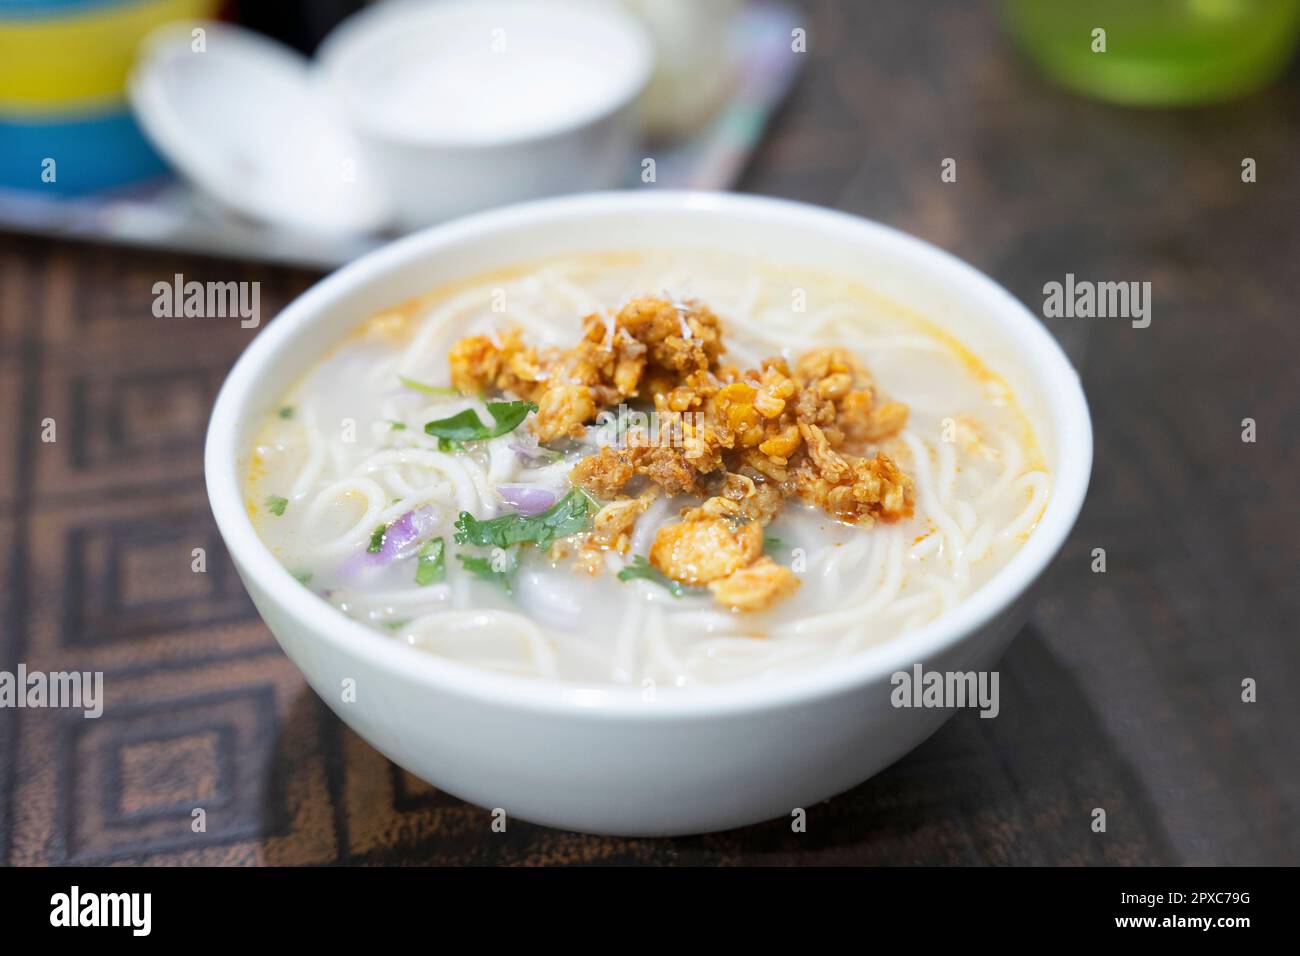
column 1123, row 692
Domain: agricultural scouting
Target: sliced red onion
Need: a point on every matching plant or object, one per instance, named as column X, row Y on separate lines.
column 528, row 500
column 526, row 447
column 402, row 539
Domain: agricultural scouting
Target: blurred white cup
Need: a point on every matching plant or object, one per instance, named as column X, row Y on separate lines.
column 464, row 104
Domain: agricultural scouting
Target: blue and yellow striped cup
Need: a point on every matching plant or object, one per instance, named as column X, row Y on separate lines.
column 65, row 125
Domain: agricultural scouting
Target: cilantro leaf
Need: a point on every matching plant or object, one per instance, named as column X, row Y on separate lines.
column 286, row 412
column 567, row 516
column 276, row 505
column 592, row 504
column 772, row 545
column 396, row 426
column 427, row 389
column 431, row 568
column 466, row 425
column 643, row 569
column 484, row 569
column 304, row 577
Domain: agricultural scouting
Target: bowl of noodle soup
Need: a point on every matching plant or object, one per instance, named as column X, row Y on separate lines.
column 622, row 512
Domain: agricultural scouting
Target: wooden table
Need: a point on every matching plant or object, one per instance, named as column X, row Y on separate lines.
column 1123, row 692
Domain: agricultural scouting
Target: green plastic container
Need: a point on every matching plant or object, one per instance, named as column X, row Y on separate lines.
column 1158, row 52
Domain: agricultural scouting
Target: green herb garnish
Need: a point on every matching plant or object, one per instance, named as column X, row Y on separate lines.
column 431, row 568
column 567, row 516
column 276, row 505
column 377, row 539
column 396, row 623
column 286, row 412
column 396, row 426
column 304, row 577
column 592, row 504
column 466, row 425
column 427, row 389
column 772, row 545
column 645, row 571
column 484, row 569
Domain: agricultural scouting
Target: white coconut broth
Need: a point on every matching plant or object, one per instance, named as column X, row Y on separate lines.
column 345, row 453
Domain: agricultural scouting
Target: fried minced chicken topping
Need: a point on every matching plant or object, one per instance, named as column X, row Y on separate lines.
column 745, row 441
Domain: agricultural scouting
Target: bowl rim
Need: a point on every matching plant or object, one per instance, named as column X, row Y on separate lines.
column 339, row 51
column 1066, row 412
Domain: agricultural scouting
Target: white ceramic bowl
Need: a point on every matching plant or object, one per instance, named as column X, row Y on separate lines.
column 606, row 759
column 464, row 104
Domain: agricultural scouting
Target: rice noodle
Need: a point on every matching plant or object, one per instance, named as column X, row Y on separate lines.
column 977, row 498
